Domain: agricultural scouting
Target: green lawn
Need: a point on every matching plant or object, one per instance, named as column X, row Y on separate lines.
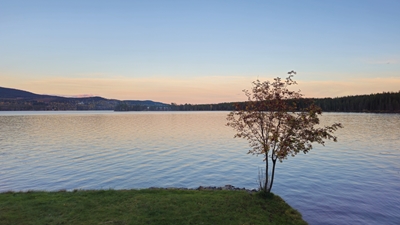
column 147, row 206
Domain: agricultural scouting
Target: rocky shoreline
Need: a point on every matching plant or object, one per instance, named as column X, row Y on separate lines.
column 227, row 187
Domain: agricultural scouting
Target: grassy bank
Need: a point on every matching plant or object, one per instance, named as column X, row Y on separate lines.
column 145, row 207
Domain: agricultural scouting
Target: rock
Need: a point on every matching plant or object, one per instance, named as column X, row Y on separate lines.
column 227, row 187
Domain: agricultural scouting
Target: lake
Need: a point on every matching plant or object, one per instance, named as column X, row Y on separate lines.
column 353, row 181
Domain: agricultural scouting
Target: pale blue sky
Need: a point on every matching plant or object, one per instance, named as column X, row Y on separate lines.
column 198, row 51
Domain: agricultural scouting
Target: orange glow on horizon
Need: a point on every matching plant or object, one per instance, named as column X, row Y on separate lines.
column 198, row 90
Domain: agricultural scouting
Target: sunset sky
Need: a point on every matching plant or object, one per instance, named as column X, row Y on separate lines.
column 198, row 51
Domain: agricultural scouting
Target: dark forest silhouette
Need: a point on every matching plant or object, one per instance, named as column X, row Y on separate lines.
column 18, row 100
column 387, row 102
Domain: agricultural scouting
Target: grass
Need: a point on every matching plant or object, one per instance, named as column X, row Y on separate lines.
column 147, row 206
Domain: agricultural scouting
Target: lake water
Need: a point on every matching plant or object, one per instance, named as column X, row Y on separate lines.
column 353, row 181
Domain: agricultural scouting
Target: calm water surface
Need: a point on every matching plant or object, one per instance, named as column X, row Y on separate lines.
column 353, row 181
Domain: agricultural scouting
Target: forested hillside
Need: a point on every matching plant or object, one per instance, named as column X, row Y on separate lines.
column 383, row 102
column 13, row 99
column 387, row 102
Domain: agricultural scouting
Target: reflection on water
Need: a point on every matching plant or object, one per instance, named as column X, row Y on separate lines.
column 353, row 181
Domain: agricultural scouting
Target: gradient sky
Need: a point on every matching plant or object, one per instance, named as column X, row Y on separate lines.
column 198, row 51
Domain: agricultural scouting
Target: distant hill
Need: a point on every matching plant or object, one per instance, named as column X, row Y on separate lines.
column 14, row 99
column 11, row 93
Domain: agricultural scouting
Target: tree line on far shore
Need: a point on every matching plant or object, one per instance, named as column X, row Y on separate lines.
column 382, row 102
column 387, row 102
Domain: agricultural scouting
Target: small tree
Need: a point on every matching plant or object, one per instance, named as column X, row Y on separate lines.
column 276, row 126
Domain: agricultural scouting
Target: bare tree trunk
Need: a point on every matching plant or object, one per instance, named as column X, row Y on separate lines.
column 272, row 175
column 266, row 174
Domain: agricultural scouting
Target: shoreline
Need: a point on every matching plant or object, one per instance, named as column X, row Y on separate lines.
column 227, row 187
